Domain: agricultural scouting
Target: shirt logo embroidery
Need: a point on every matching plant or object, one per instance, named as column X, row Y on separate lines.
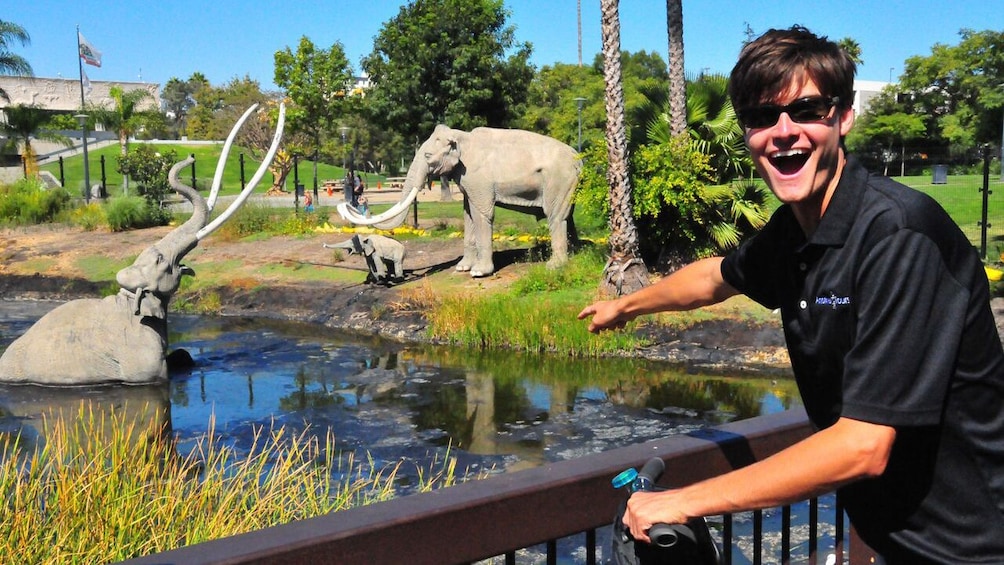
column 833, row 301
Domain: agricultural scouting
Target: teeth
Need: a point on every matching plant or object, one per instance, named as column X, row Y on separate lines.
column 788, row 153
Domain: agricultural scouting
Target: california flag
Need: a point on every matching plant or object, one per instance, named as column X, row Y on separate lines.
column 88, row 53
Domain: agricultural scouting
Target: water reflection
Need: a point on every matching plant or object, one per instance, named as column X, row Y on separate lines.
column 395, row 401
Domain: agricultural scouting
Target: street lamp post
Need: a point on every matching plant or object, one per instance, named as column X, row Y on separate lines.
column 579, row 101
column 349, row 182
column 1001, row 85
column 82, row 120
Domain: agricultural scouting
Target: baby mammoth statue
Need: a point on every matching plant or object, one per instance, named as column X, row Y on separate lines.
column 380, row 252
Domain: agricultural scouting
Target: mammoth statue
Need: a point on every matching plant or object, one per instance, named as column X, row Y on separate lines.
column 380, row 252
column 123, row 338
column 514, row 169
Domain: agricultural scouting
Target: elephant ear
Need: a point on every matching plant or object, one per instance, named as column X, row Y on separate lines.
column 357, row 245
column 368, row 246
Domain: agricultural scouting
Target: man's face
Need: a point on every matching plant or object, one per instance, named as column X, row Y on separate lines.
column 801, row 161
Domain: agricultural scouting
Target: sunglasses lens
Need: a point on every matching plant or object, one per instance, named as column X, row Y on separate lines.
column 809, row 110
column 800, row 111
column 764, row 116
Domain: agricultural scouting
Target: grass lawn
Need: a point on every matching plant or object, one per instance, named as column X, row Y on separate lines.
column 960, row 195
column 206, row 157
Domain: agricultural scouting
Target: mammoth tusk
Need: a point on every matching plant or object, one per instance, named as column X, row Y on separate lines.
column 262, row 169
column 390, row 219
column 222, row 163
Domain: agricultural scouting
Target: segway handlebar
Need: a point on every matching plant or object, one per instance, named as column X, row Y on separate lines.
column 662, row 535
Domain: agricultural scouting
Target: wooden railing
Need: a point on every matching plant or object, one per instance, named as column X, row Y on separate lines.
column 499, row 516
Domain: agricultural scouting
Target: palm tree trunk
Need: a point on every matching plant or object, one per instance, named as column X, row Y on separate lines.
column 625, row 272
column 677, row 80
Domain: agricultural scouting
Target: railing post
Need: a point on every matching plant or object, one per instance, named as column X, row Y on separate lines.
column 986, row 198
column 104, row 180
column 241, row 160
column 62, row 179
column 192, row 155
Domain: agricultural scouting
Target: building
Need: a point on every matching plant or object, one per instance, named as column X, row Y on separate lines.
column 63, row 95
column 864, row 92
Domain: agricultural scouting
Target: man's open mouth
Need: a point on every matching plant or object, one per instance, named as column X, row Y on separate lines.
column 790, row 161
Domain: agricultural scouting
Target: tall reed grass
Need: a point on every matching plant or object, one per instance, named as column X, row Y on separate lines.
column 537, row 314
column 106, row 487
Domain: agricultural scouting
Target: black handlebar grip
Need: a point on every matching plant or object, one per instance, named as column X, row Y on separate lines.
column 663, row 535
column 652, row 469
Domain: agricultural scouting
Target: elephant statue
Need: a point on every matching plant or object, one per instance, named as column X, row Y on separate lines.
column 380, row 252
column 513, row 169
column 123, row 338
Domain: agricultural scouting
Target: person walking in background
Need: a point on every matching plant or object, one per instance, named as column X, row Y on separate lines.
column 886, row 312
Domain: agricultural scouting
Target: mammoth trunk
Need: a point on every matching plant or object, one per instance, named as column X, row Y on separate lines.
column 418, row 174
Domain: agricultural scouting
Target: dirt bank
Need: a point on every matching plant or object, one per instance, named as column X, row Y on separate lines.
column 42, row 263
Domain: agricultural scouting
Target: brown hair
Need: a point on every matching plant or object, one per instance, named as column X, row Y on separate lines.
column 780, row 58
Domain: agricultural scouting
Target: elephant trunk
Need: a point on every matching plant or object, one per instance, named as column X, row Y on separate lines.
column 184, row 238
column 418, row 173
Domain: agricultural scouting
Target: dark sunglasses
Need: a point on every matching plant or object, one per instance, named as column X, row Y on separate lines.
column 803, row 110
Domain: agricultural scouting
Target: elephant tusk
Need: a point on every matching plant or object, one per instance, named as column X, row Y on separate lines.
column 137, row 298
column 262, row 169
column 222, row 163
column 390, row 219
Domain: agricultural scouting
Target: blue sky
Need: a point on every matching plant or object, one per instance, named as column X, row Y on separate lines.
column 154, row 41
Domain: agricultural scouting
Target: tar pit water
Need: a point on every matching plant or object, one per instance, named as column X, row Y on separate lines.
column 391, row 402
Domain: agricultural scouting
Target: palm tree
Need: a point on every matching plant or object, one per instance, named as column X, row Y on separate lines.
column 625, row 272
column 713, row 126
column 11, row 64
column 24, row 123
column 853, row 49
column 123, row 118
column 677, row 80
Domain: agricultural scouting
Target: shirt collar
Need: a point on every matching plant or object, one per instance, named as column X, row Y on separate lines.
column 843, row 207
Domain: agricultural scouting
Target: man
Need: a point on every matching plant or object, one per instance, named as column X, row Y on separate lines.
column 885, row 307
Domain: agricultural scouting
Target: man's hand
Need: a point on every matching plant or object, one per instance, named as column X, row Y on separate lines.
column 606, row 315
column 644, row 509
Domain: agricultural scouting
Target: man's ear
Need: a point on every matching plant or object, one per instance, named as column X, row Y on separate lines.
column 846, row 121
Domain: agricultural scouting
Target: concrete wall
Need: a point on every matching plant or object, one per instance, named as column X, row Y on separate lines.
column 64, row 94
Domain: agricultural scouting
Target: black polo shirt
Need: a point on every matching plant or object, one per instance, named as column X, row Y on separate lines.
column 886, row 312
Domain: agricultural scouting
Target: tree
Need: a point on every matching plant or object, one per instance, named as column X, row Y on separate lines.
column 179, row 97
column 552, row 110
column 894, row 128
column 124, row 116
column 713, row 126
column 624, row 272
column 853, row 49
column 10, row 62
column 958, row 89
column 150, row 168
column 217, row 108
column 22, row 124
column 454, row 62
column 677, row 79
column 318, row 82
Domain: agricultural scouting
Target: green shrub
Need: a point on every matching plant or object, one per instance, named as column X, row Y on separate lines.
column 149, row 168
column 89, row 217
column 133, row 212
column 679, row 214
column 27, row 202
column 251, row 218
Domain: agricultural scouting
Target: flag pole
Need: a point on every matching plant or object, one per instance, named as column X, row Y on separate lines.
column 83, row 124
